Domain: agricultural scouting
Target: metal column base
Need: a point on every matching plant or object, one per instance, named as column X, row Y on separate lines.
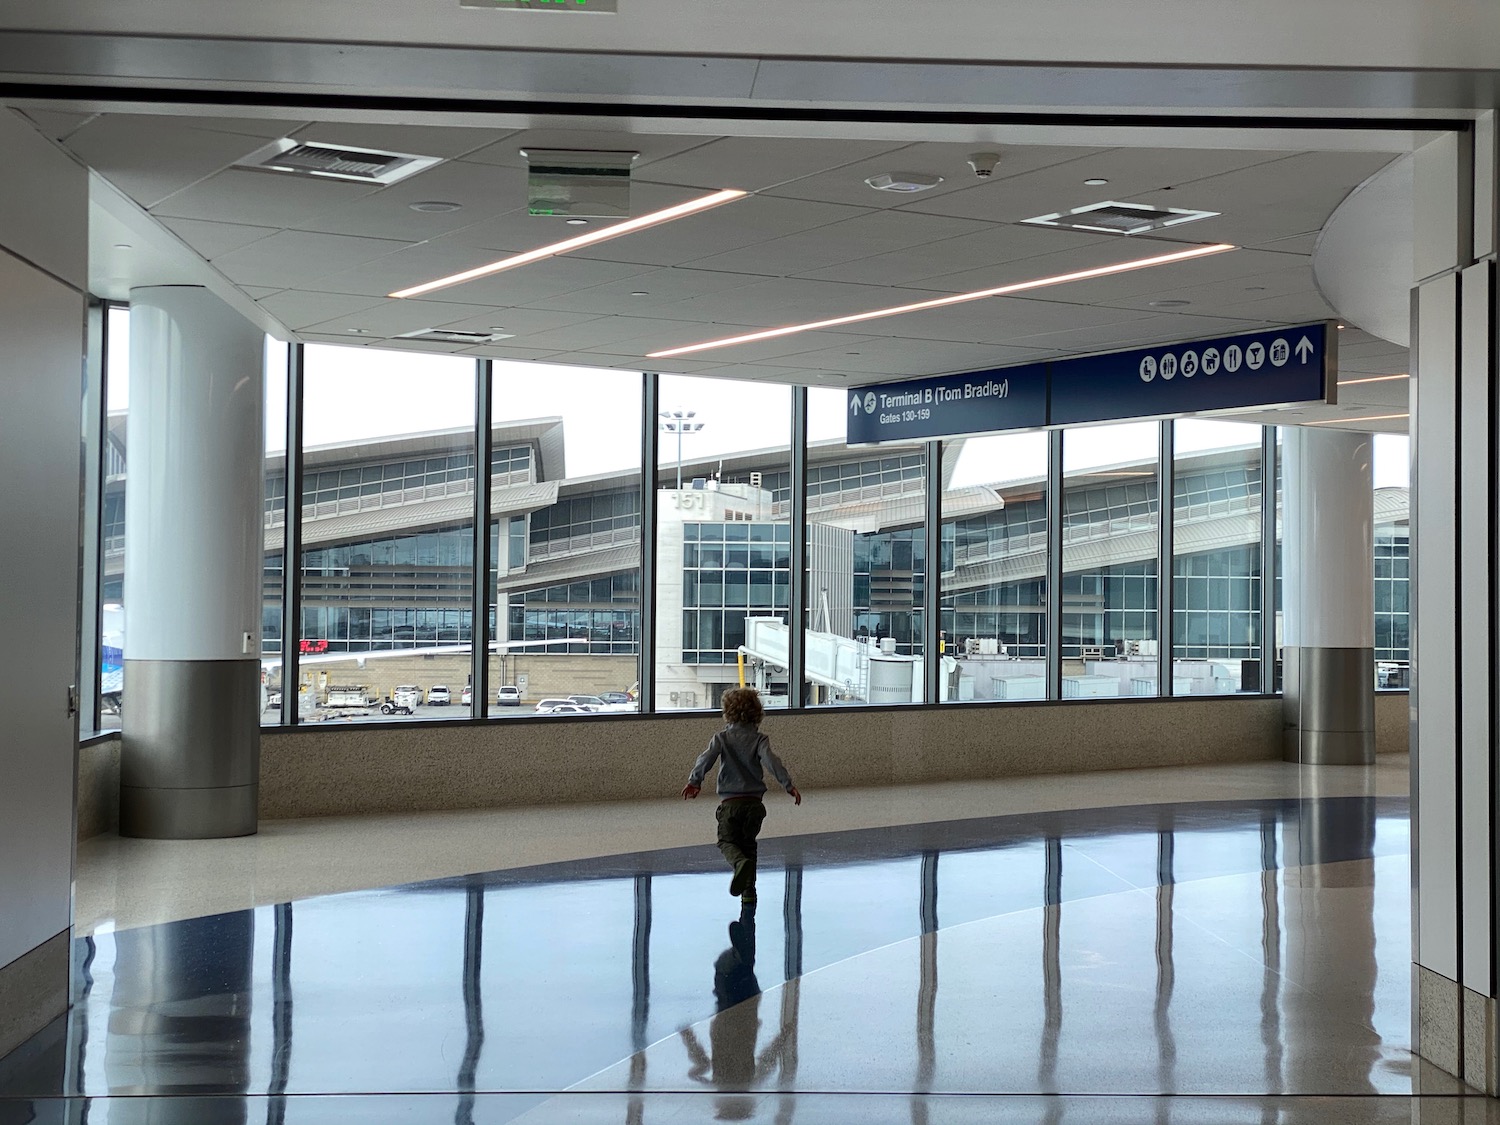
column 190, row 749
column 1329, row 706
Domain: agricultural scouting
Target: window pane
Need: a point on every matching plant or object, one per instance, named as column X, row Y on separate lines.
column 571, row 618
column 275, row 526
column 994, row 580
column 1392, row 561
column 112, row 522
column 723, row 476
column 1109, row 544
column 867, row 563
column 387, row 574
column 1216, row 646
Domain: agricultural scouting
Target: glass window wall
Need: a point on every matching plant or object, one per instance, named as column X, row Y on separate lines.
column 866, row 563
column 1111, row 508
column 565, row 528
column 1392, row 561
column 1216, row 566
column 994, row 576
column 723, row 587
column 387, row 572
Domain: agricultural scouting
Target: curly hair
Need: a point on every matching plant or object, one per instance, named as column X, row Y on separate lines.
column 742, row 705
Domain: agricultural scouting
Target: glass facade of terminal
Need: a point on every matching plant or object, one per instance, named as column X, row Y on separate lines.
column 386, row 582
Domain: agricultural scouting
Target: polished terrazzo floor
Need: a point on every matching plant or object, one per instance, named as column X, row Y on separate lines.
column 1206, row 955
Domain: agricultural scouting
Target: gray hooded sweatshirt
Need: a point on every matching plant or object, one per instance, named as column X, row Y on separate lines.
column 741, row 751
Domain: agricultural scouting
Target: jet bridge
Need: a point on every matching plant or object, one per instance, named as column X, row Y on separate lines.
column 850, row 670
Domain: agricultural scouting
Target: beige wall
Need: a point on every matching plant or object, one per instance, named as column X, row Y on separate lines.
column 406, row 768
column 442, row 766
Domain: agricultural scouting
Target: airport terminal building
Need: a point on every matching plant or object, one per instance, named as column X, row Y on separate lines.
column 389, row 559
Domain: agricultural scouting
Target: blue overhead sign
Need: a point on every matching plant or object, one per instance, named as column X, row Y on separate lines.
column 1284, row 365
column 1255, row 369
column 1013, row 398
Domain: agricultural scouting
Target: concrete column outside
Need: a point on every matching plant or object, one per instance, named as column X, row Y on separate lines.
column 1328, row 592
column 190, row 759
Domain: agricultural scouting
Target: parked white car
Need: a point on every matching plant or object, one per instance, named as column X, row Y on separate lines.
column 563, row 707
column 599, row 703
column 438, row 695
column 466, row 698
column 508, row 695
column 407, row 695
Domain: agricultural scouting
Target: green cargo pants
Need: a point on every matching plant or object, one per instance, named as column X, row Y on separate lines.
column 739, row 825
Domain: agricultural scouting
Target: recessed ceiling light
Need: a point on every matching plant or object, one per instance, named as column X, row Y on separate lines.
column 640, row 293
column 1095, row 181
column 1371, row 379
column 1255, row 289
column 629, row 226
column 357, row 331
column 123, row 246
column 577, row 222
column 954, row 299
column 1171, row 304
column 435, row 206
column 905, row 182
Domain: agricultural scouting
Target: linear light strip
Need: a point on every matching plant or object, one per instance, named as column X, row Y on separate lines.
column 955, row 299
column 604, row 234
column 1372, row 379
column 1352, row 418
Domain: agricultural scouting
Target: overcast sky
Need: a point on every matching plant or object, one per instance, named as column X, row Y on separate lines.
column 361, row 393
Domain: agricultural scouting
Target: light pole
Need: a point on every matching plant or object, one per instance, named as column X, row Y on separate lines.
column 679, row 422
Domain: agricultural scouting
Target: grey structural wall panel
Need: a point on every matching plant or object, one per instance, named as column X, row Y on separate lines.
column 1434, row 417
column 43, row 266
column 1475, row 644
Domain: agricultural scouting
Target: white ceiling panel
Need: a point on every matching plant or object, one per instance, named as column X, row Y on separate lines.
column 258, row 198
column 651, row 146
column 758, row 163
column 421, row 262
column 480, row 190
column 633, row 363
column 946, row 159
column 528, row 286
column 997, row 320
column 760, row 351
column 860, row 239
column 724, row 228
column 248, row 125
column 320, row 256
column 906, row 358
column 150, row 158
column 415, row 140
column 515, row 355
column 391, row 317
column 793, row 300
column 662, row 291
column 992, row 245
column 518, row 321
column 298, row 309
column 293, row 257
column 212, row 240
column 510, row 228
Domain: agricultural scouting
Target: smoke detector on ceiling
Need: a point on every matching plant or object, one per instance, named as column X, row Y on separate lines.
column 1120, row 218
column 335, row 162
column 906, row 182
column 453, row 336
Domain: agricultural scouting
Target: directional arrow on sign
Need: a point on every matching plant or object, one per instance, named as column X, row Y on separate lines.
column 854, row 405
column 1303, row 349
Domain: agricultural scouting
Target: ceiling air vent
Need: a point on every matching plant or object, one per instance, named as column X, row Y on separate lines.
column 335, row 162
column 1120, row 218
column 452, row 336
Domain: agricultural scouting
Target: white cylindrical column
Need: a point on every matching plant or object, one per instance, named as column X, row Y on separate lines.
column 194, row 542
column 1328, row 595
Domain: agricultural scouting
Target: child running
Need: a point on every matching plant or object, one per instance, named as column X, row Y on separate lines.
column 743, row 753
